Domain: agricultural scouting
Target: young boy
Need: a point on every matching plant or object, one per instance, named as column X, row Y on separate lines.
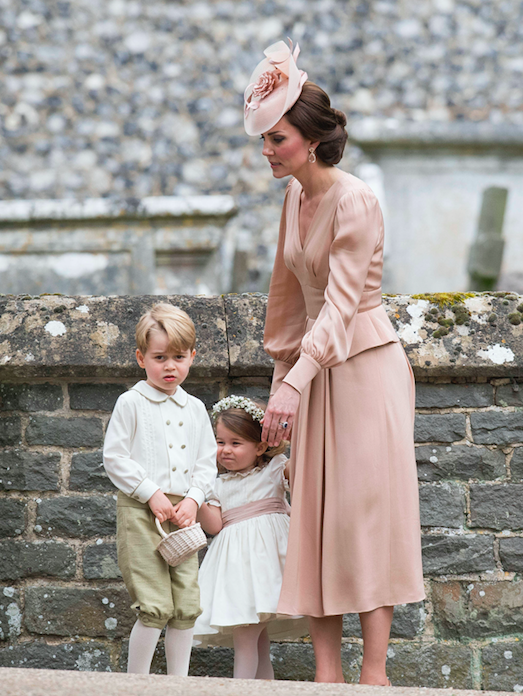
column 160, row 452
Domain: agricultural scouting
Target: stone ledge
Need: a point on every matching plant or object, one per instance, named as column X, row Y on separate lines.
column 93, row 209
column 371, row 133
column 86, row 336
column 452, row 335
column 36, row 682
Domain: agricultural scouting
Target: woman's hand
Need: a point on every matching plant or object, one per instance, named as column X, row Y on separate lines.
column 281, row 409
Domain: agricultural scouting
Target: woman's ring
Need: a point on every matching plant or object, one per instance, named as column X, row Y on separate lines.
column 284, row 424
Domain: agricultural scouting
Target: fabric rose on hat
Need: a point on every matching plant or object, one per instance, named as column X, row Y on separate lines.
column 266, row 83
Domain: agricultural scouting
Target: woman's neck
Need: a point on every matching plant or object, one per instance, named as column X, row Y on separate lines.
column 316, row 179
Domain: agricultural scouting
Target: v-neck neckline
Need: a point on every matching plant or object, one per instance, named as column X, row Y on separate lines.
column 308, row 233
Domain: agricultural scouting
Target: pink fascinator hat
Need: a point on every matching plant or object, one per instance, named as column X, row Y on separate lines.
column 274, row 87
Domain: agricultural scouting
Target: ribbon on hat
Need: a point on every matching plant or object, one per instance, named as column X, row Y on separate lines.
column 270, row 79
column 290, row 53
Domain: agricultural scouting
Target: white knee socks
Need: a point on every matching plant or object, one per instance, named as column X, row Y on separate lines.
column 178, row 645
column 143, row 641
column 142, row 644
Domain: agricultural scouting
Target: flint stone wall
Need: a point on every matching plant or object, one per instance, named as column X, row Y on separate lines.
column 138, row 99
column 65, row 360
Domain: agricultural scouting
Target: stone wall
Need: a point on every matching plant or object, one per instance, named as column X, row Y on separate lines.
column 128, row 98
column 433, row 179
column 156, row 245
column 65, row 360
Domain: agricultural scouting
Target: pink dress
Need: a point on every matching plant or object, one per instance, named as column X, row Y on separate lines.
column 354, row 541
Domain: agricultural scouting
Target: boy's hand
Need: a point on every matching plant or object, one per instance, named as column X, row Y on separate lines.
column 185, row 512
column 161, row 506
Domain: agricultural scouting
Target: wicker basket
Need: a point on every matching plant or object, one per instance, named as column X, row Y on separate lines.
column 178, row 546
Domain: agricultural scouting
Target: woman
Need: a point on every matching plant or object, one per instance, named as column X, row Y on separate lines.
column 341, row 381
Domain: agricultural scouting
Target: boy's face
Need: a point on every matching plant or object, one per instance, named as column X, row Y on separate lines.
column 165, row 369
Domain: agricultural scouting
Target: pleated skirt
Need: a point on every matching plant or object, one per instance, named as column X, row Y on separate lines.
column 354, row 541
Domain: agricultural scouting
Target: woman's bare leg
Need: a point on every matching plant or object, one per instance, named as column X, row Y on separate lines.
column 326, row 640
column 375, row 628
column 265, row 670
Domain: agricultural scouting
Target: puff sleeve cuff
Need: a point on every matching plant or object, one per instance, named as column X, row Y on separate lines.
column 302, row 373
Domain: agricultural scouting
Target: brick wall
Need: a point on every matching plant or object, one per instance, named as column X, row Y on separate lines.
column 62, row 603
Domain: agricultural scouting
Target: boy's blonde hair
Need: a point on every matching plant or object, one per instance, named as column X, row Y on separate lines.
column 176, row 323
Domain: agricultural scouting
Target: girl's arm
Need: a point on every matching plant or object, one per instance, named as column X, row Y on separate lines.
column 210, row 517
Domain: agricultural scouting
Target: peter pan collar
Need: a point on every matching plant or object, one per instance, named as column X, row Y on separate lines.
column 180, row 396
column 242, row 474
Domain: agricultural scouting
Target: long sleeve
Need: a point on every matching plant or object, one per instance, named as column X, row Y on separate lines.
column 286, row 315
column 125, row 472
column 358, row 227
column 204, row 470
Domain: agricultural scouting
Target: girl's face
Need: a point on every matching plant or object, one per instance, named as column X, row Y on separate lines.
column 286, row 149
column 234, row 452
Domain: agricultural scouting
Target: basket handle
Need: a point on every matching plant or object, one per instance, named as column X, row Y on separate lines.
column 160, row 528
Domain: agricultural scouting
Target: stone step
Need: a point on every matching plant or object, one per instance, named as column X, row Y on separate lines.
column 44, row 682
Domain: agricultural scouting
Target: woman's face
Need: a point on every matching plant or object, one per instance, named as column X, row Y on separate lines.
column 286, row 149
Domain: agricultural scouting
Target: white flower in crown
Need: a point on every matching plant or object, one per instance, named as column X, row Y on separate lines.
column 242, row 402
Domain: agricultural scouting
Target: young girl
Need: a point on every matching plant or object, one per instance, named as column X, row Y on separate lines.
column 241, row 574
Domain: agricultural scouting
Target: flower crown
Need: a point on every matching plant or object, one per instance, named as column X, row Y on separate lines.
column 254, row 411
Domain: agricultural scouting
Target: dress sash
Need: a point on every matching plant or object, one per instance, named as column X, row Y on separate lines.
column 266, row 506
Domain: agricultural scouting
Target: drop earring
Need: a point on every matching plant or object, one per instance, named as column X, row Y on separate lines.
column 312, row 155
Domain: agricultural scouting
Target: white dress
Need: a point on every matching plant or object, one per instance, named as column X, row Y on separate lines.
column 241, row 575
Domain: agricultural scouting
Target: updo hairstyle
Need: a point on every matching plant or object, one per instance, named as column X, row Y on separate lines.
column 315, row 118
column 242, row 423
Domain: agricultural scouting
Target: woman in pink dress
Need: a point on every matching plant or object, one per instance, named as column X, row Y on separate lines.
column 342, row 383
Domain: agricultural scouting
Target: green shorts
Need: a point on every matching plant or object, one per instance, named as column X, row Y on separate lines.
column 160, row 593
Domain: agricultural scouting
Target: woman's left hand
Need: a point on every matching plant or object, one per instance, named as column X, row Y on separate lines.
column 281, row 409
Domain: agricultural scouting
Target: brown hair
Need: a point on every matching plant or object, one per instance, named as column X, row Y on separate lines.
column 176, row 323
column 243, row 424
column 315, row 118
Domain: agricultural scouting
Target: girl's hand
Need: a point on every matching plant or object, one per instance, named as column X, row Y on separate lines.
column 281, row 409
column 185, row 512
column 161, row 506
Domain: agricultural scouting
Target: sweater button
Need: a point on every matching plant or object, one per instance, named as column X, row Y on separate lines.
column 174, row 468
column 170, row 444
column 186, row 471
column 180, row 423
column 168, row 422
column 183, row 446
